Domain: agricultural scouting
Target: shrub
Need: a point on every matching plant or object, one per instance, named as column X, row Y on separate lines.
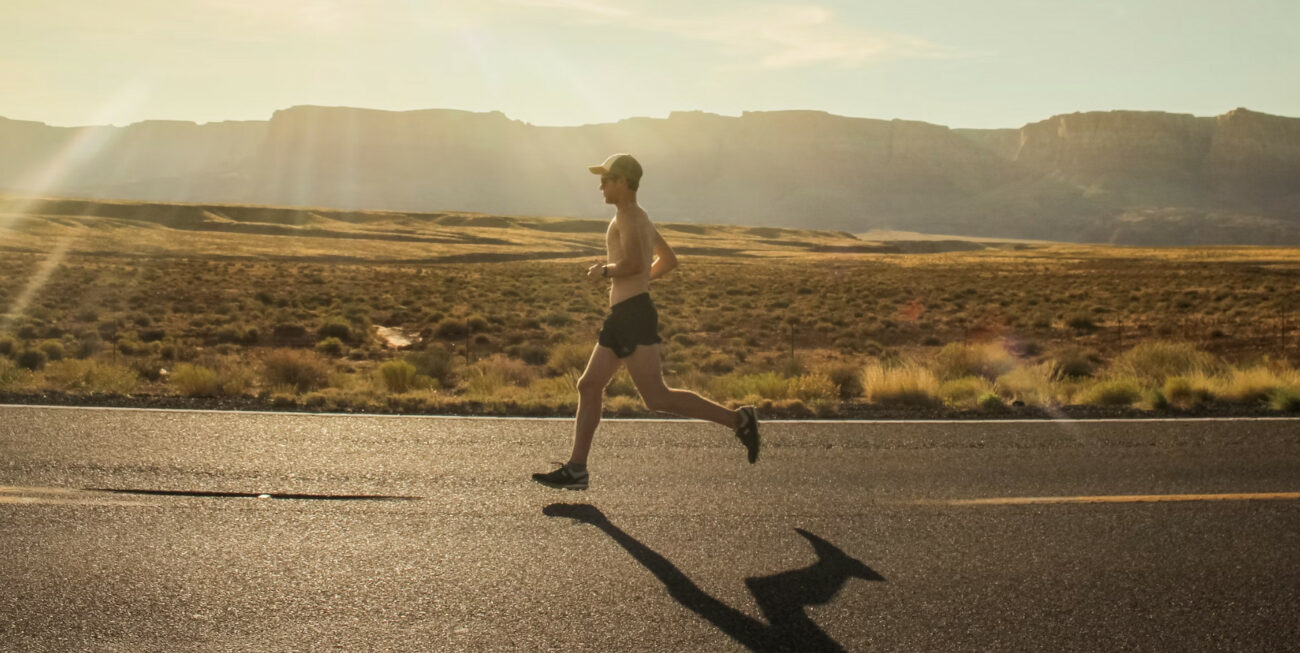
column 451, row 329
column 1285, row 399
column 991, row 401
column 435, row 363
column 304, row 370
column 1032, row 385
column 813, row 387
column 964, row 392
column 8, row 346
column 398, row 376
column 534, row 354
column 989, row 360
column 1081, row 322
column 718, row 363
column 557, row 319
column 847, row 379
column 568, row 357
column 289, row 333
column 195, row 380
column 336, row 328
column 91, row 376
column 31, row 359
column 152, row 335
column 1252, row 386
column 88, row 346
column 1155, row 361
column 905, row 385
column 1181, row 392
column 330, row 347
column 511, row 371
column 53, row 350
column 1076, row 364
column 768, row 385
column 10, row 373
column 1113, row 392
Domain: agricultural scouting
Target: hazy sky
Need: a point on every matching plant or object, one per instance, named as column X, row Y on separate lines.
column 962, row 63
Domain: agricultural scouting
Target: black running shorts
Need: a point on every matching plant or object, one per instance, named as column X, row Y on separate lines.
column 631, row 322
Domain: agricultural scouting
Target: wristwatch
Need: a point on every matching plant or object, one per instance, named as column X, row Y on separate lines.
column 604, row 270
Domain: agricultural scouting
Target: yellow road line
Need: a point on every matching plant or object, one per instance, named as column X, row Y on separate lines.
column 1127, row 498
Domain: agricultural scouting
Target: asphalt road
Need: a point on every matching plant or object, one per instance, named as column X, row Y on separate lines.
column 426, row 534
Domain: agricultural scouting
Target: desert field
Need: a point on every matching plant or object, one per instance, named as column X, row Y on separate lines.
column 469, row 313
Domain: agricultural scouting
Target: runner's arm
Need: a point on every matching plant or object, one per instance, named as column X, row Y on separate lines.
column 664, row 258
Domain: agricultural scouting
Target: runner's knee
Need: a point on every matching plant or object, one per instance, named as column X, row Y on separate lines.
column 590, row 386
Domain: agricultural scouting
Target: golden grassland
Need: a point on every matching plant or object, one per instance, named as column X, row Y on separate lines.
column 281, row 306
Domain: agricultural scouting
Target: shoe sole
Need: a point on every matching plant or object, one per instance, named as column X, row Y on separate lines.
column 752, row 450
column 560, row 486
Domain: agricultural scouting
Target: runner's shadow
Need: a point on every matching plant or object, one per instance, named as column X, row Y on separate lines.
column 782, row 597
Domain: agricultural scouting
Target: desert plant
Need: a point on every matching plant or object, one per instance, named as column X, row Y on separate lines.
column 10, row 373
column 336, row 328
column 903, row 385
column 8, row 346
column 990, row 401
column 1285, row 399
column 435, row 363
column 988, row 360
column 53, row 350
column 1155, row 361
column 331, row 346
column 91, row 376
column 768, row 385
column 1113, row 392
column 398, row 376
column 1075, row 364
column 1252, row 385
column 451, row 329
column 1182, row 392
column 303, row 370
column 194, row 380
column 568, row 357
column 964, row 392
column 31, row 359
column 814, row 387
column 847, row 378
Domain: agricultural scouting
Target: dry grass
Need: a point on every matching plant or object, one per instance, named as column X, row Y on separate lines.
column 290, row 317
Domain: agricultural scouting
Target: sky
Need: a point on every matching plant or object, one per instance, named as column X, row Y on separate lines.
column 960, row 63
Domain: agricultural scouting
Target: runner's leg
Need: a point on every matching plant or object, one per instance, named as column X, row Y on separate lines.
column 647, row 374
column 591, row 389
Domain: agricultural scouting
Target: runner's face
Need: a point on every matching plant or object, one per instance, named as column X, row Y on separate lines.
column 612, row 186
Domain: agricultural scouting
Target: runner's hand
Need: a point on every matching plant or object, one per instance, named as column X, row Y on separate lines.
column 596, row 271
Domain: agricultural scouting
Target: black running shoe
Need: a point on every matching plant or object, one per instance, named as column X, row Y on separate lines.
column 747, row 432
column 563, row 479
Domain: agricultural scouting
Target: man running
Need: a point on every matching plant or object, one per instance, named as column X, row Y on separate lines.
column 636, row 253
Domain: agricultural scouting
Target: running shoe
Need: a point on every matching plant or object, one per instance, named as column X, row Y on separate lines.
column 747, row 432
column 563, row 479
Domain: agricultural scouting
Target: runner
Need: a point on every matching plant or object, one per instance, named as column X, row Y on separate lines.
column 635, row 254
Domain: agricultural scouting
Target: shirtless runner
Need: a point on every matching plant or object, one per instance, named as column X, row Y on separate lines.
column 636, row 253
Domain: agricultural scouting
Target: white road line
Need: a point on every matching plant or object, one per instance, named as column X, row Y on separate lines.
column 1116, row 420
column 1126, row 498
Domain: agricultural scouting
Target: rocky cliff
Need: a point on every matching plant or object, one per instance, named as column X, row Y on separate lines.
column 1121, row 176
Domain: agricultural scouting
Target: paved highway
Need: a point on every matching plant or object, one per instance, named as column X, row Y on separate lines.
column 126, row 530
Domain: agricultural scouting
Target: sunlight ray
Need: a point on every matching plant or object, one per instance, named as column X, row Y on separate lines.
column 38, row 281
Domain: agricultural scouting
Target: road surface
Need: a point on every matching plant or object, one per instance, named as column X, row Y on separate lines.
column 128, row 530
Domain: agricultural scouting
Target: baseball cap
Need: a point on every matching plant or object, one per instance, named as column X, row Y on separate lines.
column 620, row 165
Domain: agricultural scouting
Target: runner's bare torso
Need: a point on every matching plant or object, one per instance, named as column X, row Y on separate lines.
column 630, row 230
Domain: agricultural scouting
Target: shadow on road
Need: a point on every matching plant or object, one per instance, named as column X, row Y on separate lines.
column 781, row 597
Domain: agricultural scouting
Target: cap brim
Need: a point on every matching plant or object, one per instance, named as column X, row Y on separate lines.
column 598, row 170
